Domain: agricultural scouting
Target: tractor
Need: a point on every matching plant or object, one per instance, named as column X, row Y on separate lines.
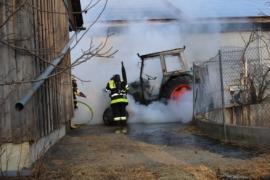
column 173, row 81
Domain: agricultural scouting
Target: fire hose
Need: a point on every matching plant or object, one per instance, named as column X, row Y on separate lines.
column 89, row 108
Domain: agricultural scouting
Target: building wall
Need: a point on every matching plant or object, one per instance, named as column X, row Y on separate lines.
column 29, row 40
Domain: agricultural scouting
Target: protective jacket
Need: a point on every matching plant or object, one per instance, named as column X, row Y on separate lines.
column 118, row 94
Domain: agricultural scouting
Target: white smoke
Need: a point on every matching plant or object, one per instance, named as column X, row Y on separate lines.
column 157, row 112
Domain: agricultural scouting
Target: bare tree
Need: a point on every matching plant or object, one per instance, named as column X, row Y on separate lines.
column 255, row 73
column 100, row 50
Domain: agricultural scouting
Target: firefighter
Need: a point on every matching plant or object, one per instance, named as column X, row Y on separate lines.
column 74, row 89
column 118, row 93
column 76, row 92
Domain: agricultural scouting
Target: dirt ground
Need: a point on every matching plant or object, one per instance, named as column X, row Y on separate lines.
column 149, row 152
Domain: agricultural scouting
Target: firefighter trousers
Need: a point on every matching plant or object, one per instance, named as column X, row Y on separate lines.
column 119, row 111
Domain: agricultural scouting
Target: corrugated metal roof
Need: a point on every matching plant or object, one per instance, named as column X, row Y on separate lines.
column 178, row 9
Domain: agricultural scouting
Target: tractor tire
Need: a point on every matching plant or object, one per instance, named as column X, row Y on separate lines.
column 176, row 87
column 108, row 117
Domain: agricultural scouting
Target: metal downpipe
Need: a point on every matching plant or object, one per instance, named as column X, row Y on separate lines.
column 42, row 77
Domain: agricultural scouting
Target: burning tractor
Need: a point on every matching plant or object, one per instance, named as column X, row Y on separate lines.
column 170, row 79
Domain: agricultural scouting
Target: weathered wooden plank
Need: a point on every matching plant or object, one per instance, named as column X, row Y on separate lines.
column 46, row 87
column 41, row 47
column 4, row 57
column 50, row 58
column 22, row 121
column 36, row 106
column 55, row 107
column 38, row 67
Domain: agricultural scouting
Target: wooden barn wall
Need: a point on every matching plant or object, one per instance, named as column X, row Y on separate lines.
column 41, row 29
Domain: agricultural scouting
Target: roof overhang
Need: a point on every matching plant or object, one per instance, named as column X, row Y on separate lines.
column 75, row 14
column 224, row 24
column 230, row 24
column 254, row 19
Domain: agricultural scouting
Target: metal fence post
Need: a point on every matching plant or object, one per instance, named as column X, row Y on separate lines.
column 222, row 94
column 193, row 91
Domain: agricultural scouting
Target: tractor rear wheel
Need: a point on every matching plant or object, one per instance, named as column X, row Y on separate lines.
column 177, row 87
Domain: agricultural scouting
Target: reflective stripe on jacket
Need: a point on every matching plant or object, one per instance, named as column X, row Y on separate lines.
column 117, row 95
column 119, row 100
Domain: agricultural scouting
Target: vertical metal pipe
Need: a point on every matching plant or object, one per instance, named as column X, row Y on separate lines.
column 222, row 94
column 141, row 78
column 193, row 92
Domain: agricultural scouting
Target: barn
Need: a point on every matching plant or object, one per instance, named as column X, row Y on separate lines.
column 32, row 35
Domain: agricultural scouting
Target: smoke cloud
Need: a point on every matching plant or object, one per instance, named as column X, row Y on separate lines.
column 157, row 112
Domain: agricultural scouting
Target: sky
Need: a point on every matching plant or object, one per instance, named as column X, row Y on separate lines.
column 147, row 9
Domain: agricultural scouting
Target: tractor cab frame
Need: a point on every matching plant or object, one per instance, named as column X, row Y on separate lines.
column 140, row 90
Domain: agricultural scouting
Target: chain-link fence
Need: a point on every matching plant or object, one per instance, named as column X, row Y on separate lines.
column 233, row 87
